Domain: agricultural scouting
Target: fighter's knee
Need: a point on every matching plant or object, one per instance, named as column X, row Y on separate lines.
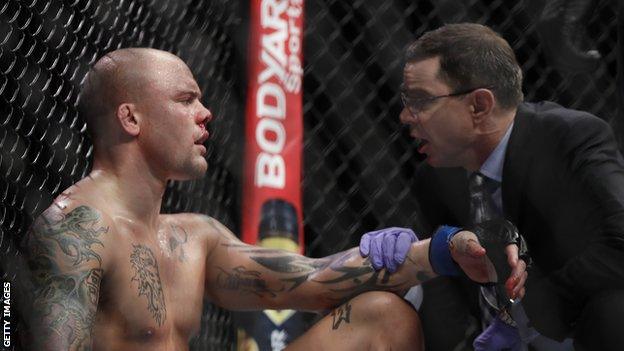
column 393, row 319
column 380, row 304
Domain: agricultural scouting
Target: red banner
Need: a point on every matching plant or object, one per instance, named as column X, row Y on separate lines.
column 272, row 184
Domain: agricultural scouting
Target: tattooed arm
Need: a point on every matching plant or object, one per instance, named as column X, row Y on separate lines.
column 241, row 276
column 64, row 252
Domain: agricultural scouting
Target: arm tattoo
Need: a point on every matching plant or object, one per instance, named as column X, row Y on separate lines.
column 73, row 234
column 421, row 275
column 245, row 281
column 343, row 281
column 361, row 278
column 146, row 275
column 284, row 263
column 65, row 292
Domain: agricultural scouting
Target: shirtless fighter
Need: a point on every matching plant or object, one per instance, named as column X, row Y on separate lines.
column 108, row 271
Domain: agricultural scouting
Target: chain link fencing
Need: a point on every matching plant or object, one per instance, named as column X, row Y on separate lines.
column 358, row 161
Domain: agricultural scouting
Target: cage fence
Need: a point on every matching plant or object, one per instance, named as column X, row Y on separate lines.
column 358, row 161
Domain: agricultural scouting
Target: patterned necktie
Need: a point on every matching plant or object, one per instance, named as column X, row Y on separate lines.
column 482, row 208
column 481, row 189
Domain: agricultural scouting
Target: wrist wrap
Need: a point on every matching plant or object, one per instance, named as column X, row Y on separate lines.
column 439, row 253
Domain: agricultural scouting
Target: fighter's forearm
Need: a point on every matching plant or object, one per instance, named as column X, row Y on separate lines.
column 280, row 279
column 347, row 274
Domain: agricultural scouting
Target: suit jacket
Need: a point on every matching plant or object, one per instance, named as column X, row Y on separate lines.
column 563, row 187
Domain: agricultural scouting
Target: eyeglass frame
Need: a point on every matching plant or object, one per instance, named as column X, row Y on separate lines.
column 424, row 101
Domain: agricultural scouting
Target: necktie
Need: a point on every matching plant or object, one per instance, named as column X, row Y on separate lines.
column 482, row 208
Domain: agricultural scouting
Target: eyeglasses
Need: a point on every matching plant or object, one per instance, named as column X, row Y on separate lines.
column 416, row 106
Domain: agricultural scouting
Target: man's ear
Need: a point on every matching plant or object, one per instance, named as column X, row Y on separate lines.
column 482, row 104
column 128, row 119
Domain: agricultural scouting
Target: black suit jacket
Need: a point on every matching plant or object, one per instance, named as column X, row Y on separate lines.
column 563, row 187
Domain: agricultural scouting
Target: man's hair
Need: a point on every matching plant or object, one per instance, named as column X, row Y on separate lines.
column 108, row 81
column 472, row 56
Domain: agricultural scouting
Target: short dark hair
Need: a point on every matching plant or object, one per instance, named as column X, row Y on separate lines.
column 471, row 56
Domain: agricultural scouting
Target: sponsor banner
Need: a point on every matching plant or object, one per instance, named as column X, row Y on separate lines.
column 274, row 131
column 274, row 126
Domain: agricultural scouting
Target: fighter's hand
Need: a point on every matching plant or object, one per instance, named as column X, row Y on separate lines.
column 471, row 258
column 387, row 248
column 515, row 283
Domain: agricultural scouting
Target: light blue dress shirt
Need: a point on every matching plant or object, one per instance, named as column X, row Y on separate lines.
column 493, row 168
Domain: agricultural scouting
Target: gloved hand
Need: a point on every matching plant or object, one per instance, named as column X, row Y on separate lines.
column 498, row 336
column 387, row 247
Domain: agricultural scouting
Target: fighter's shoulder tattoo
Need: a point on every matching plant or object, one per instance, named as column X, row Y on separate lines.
column 66, row 267
column 148, row 278
column 76, row 233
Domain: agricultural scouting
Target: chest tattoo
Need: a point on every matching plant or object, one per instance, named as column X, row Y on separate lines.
column 178, row 238
column 147, row 276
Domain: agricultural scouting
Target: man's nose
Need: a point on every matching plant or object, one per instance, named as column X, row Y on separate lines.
column 406, row 116
column 204, row 115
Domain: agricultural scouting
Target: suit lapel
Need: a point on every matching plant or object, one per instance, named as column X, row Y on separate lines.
column 517, row 162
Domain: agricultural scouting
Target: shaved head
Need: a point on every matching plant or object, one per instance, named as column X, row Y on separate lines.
column 143, row 107
column 117, row 77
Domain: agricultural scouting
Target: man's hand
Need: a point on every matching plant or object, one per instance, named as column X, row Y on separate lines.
column 471, row 258
column 387, row 247
column 515, row 283
column 468, row 253
column 505, row 244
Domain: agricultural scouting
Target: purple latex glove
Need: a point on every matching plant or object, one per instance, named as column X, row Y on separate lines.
column 388, row 247
column 498, row 336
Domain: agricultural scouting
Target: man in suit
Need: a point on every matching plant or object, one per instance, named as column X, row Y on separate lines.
column 555, row 173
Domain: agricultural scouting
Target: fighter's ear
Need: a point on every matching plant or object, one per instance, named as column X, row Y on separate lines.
column 128, row 119
column 482, row 103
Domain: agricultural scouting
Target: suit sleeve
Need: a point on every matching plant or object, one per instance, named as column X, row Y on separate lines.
column 593, row 157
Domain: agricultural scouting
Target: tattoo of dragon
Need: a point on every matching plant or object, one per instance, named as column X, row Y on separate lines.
column 147, row 276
